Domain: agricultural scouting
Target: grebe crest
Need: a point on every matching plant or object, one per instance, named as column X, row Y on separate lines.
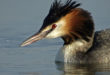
column 74, row 25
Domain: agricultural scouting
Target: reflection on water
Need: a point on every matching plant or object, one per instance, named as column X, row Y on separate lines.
column 83, row 69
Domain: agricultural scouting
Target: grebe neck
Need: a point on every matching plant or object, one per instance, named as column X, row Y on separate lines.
column 73, row 52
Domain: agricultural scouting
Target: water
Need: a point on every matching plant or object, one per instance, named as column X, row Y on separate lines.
column 15, row 60
column 38, row 59
column 20, row 19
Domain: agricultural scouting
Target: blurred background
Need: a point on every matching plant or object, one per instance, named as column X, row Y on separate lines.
column 26, row 16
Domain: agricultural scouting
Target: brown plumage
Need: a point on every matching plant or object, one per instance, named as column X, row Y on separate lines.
column 78, row 20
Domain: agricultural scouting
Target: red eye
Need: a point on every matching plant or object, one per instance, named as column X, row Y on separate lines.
column 54, row 26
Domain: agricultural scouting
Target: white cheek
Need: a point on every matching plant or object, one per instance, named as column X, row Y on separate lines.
column 58, row 31
column 54, row 34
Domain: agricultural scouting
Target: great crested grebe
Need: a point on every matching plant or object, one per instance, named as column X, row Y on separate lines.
column 76, row 27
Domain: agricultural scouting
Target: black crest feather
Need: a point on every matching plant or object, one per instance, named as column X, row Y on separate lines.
column 59, row 9
column 62, row 9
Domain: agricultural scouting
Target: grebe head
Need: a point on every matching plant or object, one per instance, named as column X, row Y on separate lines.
column 65, row 21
